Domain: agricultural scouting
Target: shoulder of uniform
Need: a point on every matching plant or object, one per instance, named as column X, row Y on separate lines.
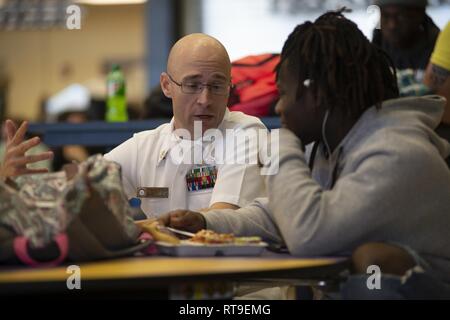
column 237, row 119
column 154, row 133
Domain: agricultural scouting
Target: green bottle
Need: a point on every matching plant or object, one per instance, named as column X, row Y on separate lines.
column 116, row 104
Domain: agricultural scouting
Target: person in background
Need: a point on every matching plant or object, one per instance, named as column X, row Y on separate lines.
column 437, row 77
column 73, row 153
column 408, row 35
column 157, row 105
column 374, row 186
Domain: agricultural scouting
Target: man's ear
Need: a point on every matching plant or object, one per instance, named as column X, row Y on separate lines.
column 165, row 85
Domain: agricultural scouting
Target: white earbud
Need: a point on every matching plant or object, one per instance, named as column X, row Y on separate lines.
column 324, row 137
column 307, row 83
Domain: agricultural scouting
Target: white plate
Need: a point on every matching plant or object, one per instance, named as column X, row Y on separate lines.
column 192, row 249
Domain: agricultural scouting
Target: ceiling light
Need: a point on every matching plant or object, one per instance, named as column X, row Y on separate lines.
column 110, row 2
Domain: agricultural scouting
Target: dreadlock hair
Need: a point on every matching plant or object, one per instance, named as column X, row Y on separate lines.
column 345, row 69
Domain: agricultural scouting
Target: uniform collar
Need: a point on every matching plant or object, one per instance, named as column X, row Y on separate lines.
column 170, row 139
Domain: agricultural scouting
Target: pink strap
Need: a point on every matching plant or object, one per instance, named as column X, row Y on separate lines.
column 145, row 236
column 151, row 249
column 21, row 250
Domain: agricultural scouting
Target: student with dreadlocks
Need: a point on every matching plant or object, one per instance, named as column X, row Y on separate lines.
column 375, row 186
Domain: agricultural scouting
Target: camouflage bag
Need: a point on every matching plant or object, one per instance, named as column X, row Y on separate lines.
column 78, row 214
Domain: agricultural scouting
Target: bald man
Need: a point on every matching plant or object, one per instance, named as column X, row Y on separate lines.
column 193, row 60
column 188, row 163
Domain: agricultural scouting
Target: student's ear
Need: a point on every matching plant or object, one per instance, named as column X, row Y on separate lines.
column 165, row 85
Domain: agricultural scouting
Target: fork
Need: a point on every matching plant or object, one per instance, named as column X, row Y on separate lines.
column 184, row 233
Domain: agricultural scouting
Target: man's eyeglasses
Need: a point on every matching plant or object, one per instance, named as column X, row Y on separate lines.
column 193, row 87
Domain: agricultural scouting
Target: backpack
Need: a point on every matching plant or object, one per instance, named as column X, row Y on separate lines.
column 254, row 90
column 78, row 214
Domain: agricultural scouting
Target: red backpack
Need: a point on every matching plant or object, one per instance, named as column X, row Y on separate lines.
column 254, row 89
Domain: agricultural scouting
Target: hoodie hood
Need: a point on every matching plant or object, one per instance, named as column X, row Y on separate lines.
column 401, row 124
column 413, row 116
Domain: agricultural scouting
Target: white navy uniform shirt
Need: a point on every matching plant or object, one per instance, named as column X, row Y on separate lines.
column 151, row 165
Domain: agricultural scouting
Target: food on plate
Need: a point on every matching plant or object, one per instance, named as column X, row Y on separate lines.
column 205, row 237
column 211, row 237
column 247, row 240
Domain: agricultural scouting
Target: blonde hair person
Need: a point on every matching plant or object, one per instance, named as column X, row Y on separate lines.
column 437, row 76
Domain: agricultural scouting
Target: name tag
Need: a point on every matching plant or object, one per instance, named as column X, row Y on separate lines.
column 146, row 192
column 201, row 178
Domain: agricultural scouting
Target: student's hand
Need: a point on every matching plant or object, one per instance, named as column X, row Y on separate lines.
column 15, row 161
column 184, row 220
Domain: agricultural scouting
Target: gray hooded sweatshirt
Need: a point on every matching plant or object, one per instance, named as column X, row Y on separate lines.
column 387, row 181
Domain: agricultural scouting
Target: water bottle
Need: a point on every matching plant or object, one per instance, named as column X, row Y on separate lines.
column 137, row 212
column 116, row 104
